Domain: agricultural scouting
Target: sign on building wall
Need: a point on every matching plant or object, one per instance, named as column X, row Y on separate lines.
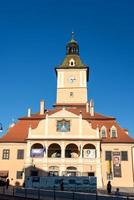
column 117, row 164
column 109, row 170
column 37, row 152
column 89, row 153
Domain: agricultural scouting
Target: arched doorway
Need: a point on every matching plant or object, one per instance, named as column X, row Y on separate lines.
column 53, row 171
column 54, row 151
column 71, row 171
column 71, row 151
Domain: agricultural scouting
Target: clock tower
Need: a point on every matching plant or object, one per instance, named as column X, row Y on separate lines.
column 72, row 77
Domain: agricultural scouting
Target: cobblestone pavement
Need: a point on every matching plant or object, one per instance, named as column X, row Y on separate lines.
column 123, row 190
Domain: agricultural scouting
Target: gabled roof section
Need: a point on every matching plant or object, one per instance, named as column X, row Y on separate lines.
column 122, row 136
column 19, row 132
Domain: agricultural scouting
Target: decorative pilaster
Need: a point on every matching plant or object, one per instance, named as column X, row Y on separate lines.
column 63, row 150
column 98, row 167
column 28, row 158
column 46, row 125
column 80, row 124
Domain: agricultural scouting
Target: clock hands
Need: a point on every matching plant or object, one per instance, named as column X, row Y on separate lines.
column 72, row 79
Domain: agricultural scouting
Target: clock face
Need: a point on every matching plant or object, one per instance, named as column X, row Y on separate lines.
column 72, row 79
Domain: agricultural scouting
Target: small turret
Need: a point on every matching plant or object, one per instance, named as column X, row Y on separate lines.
column 42, row 107
column 29, row 112
column 72, row 47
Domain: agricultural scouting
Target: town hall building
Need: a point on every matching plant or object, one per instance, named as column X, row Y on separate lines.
column 71, row 139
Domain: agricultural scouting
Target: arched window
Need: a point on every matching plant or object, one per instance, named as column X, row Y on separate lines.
column 71, row 171
column 103, row 132
column 72, row 62
column 53, row 171
column 71, row 151
column 113, row 132
column 54, row 151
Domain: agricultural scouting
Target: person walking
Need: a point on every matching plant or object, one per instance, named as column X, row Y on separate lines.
column 7, row 183
column 62, row 185
column 117, row 192
column 109, row 187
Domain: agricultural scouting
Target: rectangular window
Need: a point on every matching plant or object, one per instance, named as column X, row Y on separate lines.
column 124, row 155
column 108, row 155
column 19, row 175
column 113, row 133
column 103, row 133
column 6, row 154
column 20, row 154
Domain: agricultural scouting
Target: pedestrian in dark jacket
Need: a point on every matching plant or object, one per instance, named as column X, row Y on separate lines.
column 62, row 185
column 117, row 192
column 7, row 183
column 109, row 187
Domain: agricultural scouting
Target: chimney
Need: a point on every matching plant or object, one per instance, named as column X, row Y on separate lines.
column 29, row 112
column 91, row 107
column 126, row 131
column 42, row 107
column 87, row 107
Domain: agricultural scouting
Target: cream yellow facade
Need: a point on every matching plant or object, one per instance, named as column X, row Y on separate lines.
column 71, row 81
column 127, row 171
column 71, row 139
column 46, row 130
column 13, row 164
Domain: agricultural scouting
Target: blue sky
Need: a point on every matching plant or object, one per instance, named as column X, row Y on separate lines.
column 33, row 36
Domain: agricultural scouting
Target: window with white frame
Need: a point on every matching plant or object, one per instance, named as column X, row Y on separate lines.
column 6, row 154
column 103, row 132
column 113, row 132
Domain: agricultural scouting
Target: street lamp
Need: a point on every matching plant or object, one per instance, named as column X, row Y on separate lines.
column 1, row 128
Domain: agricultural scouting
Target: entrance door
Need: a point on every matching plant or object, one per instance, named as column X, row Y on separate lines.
column 34, row 173
column 90, row 173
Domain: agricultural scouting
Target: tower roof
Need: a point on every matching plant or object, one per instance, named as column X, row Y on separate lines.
column 72, row 58
column 72, row 47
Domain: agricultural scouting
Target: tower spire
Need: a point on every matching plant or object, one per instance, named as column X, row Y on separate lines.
column 72, row 34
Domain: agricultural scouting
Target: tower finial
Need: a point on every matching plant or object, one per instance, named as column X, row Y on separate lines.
column 72, row 34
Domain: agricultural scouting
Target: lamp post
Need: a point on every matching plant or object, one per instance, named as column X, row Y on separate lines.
column 1, row 128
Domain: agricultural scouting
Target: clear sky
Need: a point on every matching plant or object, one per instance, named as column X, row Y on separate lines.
column 33, row 36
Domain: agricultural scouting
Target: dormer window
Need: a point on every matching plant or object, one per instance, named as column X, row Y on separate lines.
column 113, row 132
column 103, row 132
column 72, row 62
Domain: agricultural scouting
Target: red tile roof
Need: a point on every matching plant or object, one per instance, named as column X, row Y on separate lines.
column 19, row 132
column 122, row 136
